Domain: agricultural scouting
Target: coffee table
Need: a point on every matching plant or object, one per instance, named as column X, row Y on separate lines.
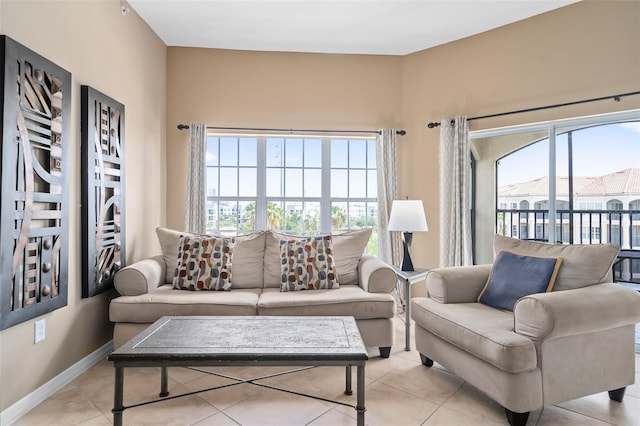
column 198, row 341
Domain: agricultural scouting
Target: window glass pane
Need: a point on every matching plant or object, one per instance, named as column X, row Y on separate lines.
column 312, row 183
column 292, row 223
column 228, row 217
column 371, row 154
column 212, row 151
column 339, row 153
column 228, row 182
column 358, row 153
column 293, row 183
column 228, row 151
column 339, row 217
column 274, row 182
column 372, row 184
column 274, row 152
column 212, row 217
column 293, row 152
column 311, row 218
column 248, row 182
column 212, row 182
column 312, row 153
column 357, row 215
column 357, row 183
column 339, row 183
column 275, row 215
column 246, row 217
column 248, row 152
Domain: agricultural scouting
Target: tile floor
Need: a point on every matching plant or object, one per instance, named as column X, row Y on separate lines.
column 399, row 391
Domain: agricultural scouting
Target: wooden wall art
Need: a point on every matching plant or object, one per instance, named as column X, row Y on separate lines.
column 103, row 230
column 34, row 194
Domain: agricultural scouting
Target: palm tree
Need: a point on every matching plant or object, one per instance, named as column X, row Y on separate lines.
column 338, row 217
column 249, row 215
column 274, row 215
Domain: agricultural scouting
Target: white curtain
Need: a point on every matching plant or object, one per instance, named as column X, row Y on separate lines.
column 389, row 244
column 455, row 193
column 195, row 220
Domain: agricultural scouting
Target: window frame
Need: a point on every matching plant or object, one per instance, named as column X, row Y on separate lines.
column 325, row 200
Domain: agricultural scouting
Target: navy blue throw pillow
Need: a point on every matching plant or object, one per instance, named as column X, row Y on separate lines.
column 514, row 276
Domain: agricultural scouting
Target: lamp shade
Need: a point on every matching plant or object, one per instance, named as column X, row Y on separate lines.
column 407, row 216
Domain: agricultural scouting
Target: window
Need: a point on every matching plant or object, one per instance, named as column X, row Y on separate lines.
column 302, row 185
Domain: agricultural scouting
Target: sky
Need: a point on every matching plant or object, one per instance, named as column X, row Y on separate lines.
column 598, row 150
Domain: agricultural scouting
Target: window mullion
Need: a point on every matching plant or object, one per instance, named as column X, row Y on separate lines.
column 261, row 203
column 325, row 204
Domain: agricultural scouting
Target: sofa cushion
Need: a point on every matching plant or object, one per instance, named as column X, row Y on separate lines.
column 348, row 248
column 514, row 276
column 204, row 263
column 307, row 264
column 248, row 255
column 349, row 300
column 149, row 307
column 582, row 264
column 481, row 330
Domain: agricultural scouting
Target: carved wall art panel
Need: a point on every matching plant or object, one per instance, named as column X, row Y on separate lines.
column 103, row 230
column 34, row 197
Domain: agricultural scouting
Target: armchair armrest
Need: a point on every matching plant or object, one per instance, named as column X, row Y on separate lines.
column 375, row 276
column 140, row 277
column 457, row 284
column 583, row 310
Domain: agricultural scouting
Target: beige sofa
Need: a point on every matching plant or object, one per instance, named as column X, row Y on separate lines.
column 571, row 342
column 365, row 288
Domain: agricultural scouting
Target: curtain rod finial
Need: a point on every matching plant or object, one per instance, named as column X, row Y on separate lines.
column 183, row 127
column 433, row 124
column 401, row 132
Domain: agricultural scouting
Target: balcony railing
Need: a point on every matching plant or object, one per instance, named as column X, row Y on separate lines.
column 621, row 227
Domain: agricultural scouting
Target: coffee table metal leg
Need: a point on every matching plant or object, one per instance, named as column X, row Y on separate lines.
column 360, row 399
column 348, row 390
column 407, row 315
column 118, row 393
column 164, row 382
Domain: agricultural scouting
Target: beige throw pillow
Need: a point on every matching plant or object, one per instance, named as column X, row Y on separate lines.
column 582, row 264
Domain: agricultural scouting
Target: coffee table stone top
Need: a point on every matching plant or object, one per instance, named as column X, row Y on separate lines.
column 277, row 338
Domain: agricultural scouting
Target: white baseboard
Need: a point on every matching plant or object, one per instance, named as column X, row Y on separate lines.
column 29, row 402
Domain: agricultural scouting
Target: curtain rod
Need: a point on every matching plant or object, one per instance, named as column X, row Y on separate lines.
column 614, row 97
column 186, row 126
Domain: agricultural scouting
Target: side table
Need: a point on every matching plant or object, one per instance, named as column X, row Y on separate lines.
column 409, row 278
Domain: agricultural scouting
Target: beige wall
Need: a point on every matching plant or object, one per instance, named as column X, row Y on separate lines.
column 589, row 49
column 276, row 90
column 121, row 57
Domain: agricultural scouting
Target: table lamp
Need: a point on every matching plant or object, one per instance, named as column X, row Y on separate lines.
column 407, row 216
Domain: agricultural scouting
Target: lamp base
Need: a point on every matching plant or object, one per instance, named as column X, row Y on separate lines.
column 407, row 264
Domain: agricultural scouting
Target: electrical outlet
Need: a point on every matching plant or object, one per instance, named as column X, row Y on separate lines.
column 39, row 331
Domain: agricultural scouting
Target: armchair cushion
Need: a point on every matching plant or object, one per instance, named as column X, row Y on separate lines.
column 582, row 264
column 514, row 276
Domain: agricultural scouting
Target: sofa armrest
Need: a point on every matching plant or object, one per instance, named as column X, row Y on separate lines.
column 375, row 276
column 140, row 277
column 457, row 284
column 583, row 310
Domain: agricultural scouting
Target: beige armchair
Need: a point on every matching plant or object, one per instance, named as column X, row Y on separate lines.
column 555, row 346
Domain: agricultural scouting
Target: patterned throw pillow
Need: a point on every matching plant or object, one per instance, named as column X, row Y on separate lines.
column 204, row 263
column 307, row 264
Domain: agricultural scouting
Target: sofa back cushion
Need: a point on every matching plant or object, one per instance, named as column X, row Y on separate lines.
column 348, row 248
column 582, row 264
column 248, row 257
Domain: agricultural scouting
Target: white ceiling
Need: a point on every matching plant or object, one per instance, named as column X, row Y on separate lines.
column 384, row 27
